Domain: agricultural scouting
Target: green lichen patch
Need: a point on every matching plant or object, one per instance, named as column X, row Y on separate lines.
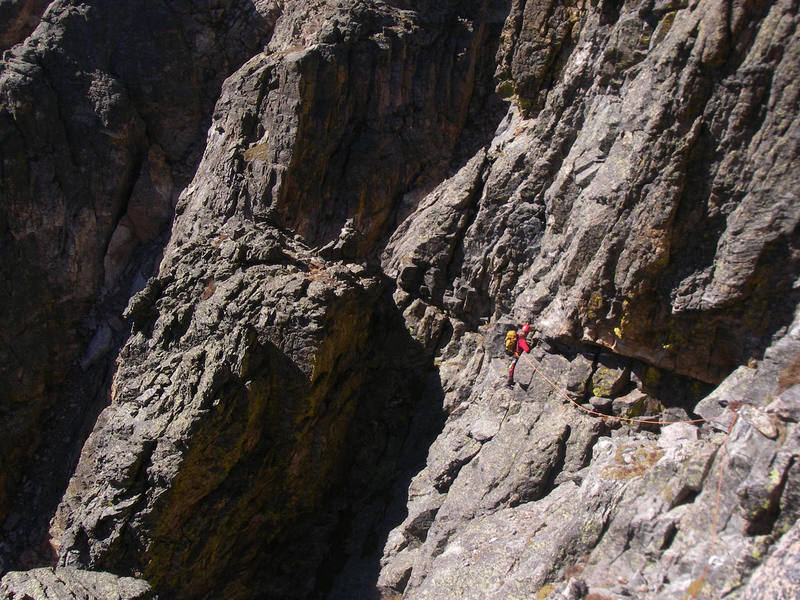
column 594, row 305
column 544, row 592
column 505, row 89
column 606, row 382
column 663, row 27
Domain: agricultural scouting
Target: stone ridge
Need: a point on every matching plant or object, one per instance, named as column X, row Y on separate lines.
column 240, row 375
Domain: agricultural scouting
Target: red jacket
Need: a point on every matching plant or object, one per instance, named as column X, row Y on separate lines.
column 522, row 344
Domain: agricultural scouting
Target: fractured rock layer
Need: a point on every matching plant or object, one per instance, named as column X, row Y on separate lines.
column 257, row 365
column 605, row 212
column 644, row 201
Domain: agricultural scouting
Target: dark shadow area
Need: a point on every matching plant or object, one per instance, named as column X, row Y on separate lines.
column 158, row 91
column 18, row 19
column 81, row 397
column 398, row 408
column 398, row 417
column 238, row 520
column 401, row 413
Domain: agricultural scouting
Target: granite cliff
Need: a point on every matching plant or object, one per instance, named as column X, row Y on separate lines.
column 259, row 259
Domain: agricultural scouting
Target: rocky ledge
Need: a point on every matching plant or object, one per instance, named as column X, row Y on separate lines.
column 71, row 584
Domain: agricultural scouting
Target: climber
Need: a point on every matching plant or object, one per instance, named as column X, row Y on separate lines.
column 516, row 343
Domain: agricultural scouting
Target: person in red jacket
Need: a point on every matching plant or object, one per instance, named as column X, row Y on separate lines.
column 521, row 346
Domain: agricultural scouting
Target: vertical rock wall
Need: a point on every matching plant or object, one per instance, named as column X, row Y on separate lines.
column 103, row 112
column 640, row 199
column 640, row 194
column 263, row 376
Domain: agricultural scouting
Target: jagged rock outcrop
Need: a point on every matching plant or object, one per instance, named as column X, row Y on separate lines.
column 70, row 584
column 103, row 113
column 639, row 196
column 232, row 417
column 366, row 223
column 523, row 493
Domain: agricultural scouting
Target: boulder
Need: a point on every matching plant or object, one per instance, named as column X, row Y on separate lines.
column 610, row 377
column 601, row 404
column 633, row 404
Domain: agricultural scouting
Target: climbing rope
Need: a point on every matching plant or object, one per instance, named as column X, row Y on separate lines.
column 697, row 586
column 595, row 413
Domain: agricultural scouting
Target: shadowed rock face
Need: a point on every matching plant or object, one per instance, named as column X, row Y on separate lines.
column 231, row 419
column 344, row 262
column 19, row 18
column 281, row 374
column 103, row 111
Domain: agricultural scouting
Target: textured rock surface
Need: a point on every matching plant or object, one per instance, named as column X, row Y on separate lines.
column 255, row 364
column 605, row 211
column 547, row 495
column 70, row 584
column 587, row 210
column 234, row 408
column 779, row 576
column 103, row 113
column 366, row 223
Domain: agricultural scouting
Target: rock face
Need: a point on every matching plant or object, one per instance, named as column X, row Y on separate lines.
column 103, row 113
column 312, row 398
column 639, row 195
column 604, row 212
column 246, row 376
column 67, row 584
column 300, row 363
column 547, row 497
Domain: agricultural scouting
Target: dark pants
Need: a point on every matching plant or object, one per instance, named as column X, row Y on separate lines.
column 511, row 369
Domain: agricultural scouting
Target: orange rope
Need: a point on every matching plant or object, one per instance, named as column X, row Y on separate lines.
column 698, row 585
column 599, row 414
